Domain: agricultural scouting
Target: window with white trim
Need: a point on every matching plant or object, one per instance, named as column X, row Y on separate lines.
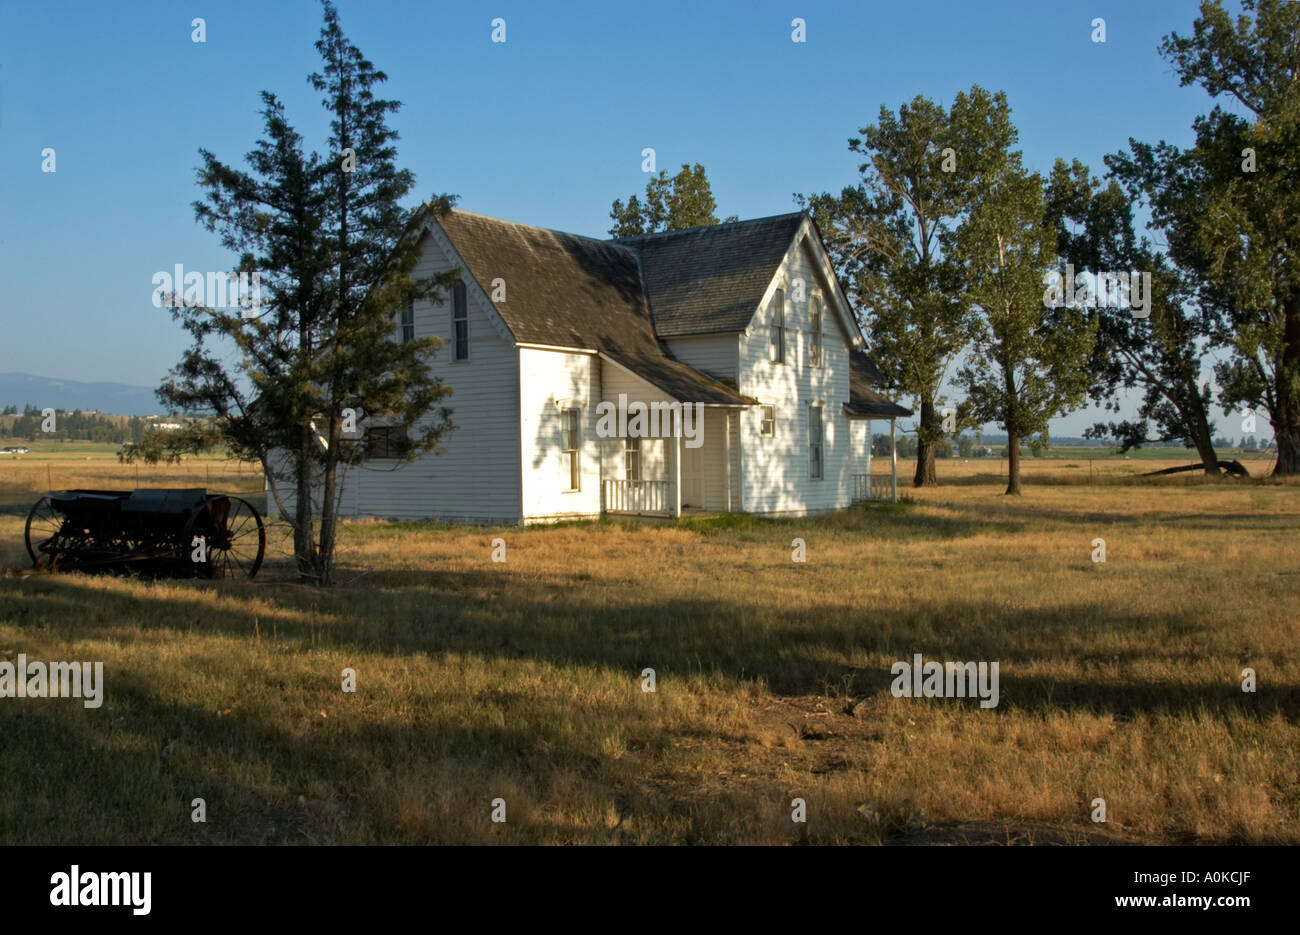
column 776, row 346
column 815, row 339
column 460, row 321
column 816, row 467
column 767, row 421
column 632, row 458
column 570, row 442
column 408, row 321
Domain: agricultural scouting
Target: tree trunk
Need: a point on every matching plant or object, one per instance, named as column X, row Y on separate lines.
column 1200, row 432
column 925, row 474
column 1288, row 450
column 302, row 524
column 1013, row 464
column 328, row 514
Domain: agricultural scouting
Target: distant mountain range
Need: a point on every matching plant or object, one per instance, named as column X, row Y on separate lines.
column 18, row 389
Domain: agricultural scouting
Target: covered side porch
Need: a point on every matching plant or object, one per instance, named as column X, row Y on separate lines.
column 865, row 406
column 697, row 471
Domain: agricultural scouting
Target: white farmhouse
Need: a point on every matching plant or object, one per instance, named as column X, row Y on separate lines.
column 745, row 318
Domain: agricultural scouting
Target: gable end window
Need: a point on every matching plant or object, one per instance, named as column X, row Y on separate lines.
column 815, row 448
column 570, row 441
column 767, row 423
column 815, row 340
column 408, row 321
column 460, row 321
column 776, row 348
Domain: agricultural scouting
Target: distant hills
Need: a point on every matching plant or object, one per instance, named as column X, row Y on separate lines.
column 18, row 389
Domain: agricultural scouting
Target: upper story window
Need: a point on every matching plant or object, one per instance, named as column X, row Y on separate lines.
column 815, row 338
column 776, row 349
column 460, row 321
column 408, row 321
column 816, row 467
column 767, row 424
column 570, row 440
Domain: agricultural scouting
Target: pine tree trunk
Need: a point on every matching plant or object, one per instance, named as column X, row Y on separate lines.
column 303, row 519
column 924, row 475
column 1013, row 464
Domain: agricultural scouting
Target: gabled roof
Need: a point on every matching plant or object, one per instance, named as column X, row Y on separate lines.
column 712, row 279
column 564, row 290
column 863, row 400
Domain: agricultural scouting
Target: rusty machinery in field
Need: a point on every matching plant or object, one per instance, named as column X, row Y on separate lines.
column 175, row 533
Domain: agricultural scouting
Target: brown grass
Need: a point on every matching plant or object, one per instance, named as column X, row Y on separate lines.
column 522, row 680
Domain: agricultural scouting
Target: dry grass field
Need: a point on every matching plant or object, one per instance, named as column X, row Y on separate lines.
column 521, row 680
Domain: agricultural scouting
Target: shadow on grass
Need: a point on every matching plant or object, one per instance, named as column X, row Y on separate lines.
column 560, row 619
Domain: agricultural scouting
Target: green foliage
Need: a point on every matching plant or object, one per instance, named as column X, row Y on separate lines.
column 677, row 203
column 892, row 236
column 336, row 252
column 170, row 445
column 1230, row 205
column 1028, row 364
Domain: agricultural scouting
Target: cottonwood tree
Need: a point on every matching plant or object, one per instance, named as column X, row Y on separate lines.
column 335, row 251
column 685, row 200
column 1230, row 205
column 1160, row 354
column 892, row 236
column 1027, row 361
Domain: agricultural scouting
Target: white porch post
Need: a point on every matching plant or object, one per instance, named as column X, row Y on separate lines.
column 676, row 447
column 726, row 454
column 893, row 454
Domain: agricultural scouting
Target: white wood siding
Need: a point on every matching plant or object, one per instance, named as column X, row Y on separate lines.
column 544, row 377
column 476, row 479
column 775, row 470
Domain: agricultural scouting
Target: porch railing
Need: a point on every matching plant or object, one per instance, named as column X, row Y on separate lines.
column 872, row 487
column 637, row 496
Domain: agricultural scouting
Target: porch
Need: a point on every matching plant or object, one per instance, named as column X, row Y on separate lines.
column 669, row 477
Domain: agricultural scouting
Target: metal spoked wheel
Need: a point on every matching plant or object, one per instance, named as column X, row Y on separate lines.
column 239, row 539
column 44, row 524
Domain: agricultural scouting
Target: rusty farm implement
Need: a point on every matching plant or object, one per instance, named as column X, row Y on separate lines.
column 171, row 533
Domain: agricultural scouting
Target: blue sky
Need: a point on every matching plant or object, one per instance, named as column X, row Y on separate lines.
column 546, row 128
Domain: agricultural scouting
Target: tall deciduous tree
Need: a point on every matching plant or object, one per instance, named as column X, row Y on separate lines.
column 1230, row 205
column 685, row 200
column 335, row 251
column 1028, row 361
column 1157, row 350
column 892, row 236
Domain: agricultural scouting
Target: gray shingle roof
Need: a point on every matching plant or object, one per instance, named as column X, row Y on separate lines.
column 863, row 400
column 571, row 291
column 712, row 279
